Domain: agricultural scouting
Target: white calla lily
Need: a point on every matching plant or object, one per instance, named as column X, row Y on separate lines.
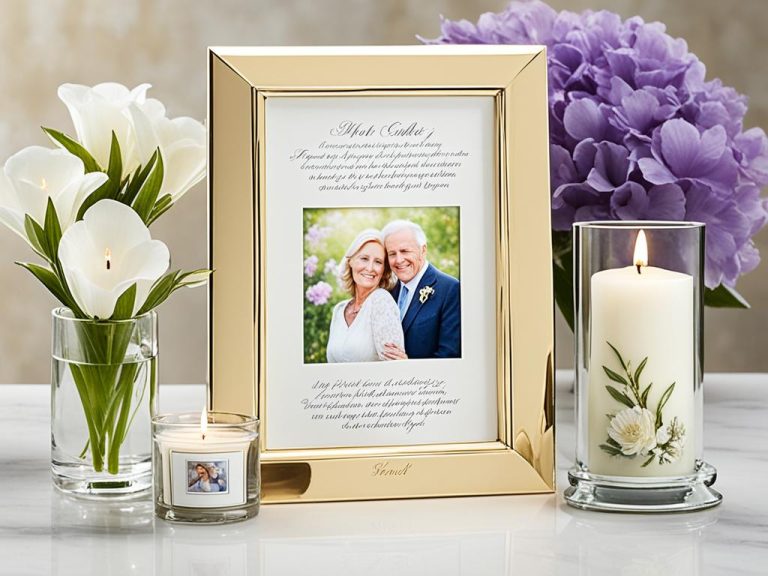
column 33, row 175
column 182, row 144
column 98, row 111
column 105, row 253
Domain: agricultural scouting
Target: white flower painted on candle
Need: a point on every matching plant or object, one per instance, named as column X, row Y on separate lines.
column 634, row 431
column 141, row 126
column 107, row 252
column 33, row 175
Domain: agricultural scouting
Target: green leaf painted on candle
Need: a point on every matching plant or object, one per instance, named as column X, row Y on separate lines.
column 662, row 401
column 648, row 461
column 611, row 450
column 639, row 370
column 613, row 442
column 644, row 395
column 615, row 377
column 618, row 355
column 620, row 397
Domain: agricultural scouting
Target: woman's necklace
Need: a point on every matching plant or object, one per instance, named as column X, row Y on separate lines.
column 352, row 310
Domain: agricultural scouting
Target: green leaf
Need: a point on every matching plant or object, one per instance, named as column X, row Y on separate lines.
column 644, row 396
column 648, row 461
column 159, row 292
column 171, row 282
column 50, row 281
column 613, row 442
column 111, row 188
column 194, row 278
column 614, row 376
column 640, row 370
column 724, row 297
column 124, row 305
column 161, row 207
column 611, row 450
column 136, row 181
column 662, row 401
column 665, row 396
column 74, row 148
column 621, row 360
column 36, row 235
column 620, row 396
column 52, row 231
column 562, row 277
column 150, row 190
column 115, row 168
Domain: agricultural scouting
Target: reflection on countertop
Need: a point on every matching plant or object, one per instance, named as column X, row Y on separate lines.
column 45, row 532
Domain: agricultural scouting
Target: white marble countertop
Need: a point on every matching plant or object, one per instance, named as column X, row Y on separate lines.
column 45, row 532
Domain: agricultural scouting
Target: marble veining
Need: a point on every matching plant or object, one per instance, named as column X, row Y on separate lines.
column 44, row 532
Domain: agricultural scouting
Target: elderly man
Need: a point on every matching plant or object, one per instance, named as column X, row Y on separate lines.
column 429, row 300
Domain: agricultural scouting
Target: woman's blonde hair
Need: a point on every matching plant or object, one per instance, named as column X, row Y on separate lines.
column 345, row 278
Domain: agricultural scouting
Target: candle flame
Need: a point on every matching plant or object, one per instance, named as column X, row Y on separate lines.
column 204, row 421
column 108, row 258
column 43, row 184
column 641, row 251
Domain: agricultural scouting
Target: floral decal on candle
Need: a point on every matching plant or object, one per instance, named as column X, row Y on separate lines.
column 639, row 430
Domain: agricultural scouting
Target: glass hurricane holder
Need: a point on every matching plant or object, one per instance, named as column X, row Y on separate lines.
column 206, row 467
column 639, row 366
column 103, row 396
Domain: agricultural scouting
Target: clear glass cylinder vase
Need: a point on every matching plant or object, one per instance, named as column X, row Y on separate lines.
column 639, row 367
column 103, row 397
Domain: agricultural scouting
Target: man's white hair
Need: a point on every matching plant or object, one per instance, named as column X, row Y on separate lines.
column 399, row 225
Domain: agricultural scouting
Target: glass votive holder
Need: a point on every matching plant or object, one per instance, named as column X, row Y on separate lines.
column 205, row 467
column 639, row 365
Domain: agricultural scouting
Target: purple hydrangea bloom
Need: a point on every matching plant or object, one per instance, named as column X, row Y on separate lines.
column 319, row 293
column 635, row 130
column 310, row 266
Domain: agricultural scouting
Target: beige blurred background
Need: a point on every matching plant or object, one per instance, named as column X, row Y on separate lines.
column 49, row 42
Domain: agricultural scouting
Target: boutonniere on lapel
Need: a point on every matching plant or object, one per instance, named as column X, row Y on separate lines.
column 425, row 293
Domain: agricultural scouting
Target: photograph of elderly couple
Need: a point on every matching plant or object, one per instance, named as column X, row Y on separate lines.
column 381, row 284
column 206, row 477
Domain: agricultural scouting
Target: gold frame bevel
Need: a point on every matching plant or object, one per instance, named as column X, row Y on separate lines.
column 522, row 459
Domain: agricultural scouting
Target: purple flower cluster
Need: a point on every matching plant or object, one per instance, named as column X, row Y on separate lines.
column 636, row 132
column 310, row 266
column 315, row 235
column 319, row 293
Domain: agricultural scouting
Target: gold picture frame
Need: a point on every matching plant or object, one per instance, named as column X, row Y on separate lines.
column 522, row 457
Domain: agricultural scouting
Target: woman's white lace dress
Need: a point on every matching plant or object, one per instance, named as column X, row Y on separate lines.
column 377, row 323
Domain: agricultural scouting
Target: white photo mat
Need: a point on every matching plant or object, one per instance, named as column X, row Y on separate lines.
column 461, row 127
column 235, row 493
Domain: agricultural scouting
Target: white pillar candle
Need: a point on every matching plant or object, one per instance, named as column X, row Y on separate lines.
column 644, row 312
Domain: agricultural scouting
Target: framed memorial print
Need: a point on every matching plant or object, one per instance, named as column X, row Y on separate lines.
column 382, row 294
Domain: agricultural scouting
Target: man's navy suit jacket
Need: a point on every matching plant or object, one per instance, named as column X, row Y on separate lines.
column 432, row 328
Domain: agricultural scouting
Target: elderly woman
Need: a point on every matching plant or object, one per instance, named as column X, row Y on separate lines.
column 364, row 323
